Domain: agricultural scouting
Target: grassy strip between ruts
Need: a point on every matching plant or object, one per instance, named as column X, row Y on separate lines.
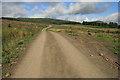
column 15, row 38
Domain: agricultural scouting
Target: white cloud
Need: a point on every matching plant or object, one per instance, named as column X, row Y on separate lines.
column 85, row 8
column 13, row 10
column 34, row 9
column 52, row 11
column 73, row 18
column 60, row 9
column 111, row 18
column 37, row 16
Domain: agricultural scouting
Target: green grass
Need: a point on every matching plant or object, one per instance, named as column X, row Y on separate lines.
column 116, row 50
column 61, row 22
column 56, row 31
column 43, row 20
column 73, row 32
column 111, row 40
column 108, row 38
column 11, row 51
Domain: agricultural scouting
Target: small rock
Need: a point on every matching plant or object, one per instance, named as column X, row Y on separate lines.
column 89, row 33
column 17, row 48
column 7, row 75
column 91, row 55
column 101, row 54
column 117, row 67
column 106, row 59
column 0, row 65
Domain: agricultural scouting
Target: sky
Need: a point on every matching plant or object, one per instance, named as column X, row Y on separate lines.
column 72, row 11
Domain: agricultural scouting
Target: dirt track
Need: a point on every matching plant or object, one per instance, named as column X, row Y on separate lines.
column 53, row 56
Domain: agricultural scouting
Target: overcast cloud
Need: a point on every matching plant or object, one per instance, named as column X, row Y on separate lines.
column 13, row 10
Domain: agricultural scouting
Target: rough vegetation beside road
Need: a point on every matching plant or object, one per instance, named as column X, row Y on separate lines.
column 15, row 37
column 108, row 35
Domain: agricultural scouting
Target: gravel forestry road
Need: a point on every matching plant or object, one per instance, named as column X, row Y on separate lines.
column 51, row 55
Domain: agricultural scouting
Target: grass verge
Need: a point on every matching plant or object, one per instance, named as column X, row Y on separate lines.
column 15, row 38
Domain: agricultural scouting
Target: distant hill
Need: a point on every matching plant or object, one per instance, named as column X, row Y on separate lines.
column 101, row 22
column 42, row 20
column 64, row 22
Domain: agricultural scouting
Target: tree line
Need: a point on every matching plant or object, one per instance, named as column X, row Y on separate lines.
column 102, row 24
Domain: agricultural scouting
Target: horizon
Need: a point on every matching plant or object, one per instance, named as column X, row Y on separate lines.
column 50, row 18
